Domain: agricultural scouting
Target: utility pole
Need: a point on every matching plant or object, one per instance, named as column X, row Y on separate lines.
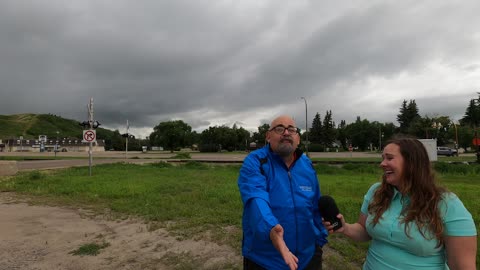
column 55, row 148
column 456, row 136
column 476, row 114
column 126, row 143
column 90, row 121
column 380, row 139
column 306, row 126
column 89, row 134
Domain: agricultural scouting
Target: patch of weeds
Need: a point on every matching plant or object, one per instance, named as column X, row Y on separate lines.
column 362, row 168
column 36, row 175
column 161, row 164
column 180, row 261
column 182, row 155
column 327, row 169
column 91, row 249
column 188, row 261
column 195, row 165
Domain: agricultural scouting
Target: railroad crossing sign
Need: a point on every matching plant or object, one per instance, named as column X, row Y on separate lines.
column 476, row 141
column 89, row 136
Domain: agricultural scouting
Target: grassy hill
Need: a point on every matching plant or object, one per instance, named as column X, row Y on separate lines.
column 31, row 125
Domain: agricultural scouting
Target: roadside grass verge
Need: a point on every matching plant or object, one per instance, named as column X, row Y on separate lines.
column 377, row 159
column 26, row 157
column 201, row 201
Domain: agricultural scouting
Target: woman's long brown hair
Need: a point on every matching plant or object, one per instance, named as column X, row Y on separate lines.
column 419, row 184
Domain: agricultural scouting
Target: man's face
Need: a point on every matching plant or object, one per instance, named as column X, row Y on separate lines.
column 284, row 143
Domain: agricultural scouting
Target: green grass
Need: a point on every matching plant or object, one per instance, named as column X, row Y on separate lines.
column 196, row 200
column 91, row 249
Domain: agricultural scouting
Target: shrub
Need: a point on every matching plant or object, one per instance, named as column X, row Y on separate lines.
column 208, row 147
column 195, row 165
column 161, row 164
column 36, row 175
column 182, row 155
column 363, row 168
column 327, row 169
column 456, row 168
column 316, row 147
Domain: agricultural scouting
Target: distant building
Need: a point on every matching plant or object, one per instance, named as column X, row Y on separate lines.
column 45, row 145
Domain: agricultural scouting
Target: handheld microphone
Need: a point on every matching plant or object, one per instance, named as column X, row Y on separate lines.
column 329, row 211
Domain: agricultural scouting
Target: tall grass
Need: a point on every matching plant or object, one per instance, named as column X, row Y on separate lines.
column 196, row 200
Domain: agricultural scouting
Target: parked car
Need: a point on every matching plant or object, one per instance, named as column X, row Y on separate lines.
column 446, row 151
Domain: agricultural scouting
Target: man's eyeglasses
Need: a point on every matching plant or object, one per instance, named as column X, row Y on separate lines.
column 281, row 129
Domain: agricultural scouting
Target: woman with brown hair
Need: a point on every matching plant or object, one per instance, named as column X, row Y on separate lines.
column 412, row 222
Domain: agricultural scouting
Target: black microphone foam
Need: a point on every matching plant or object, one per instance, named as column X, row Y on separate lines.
column 329, row 211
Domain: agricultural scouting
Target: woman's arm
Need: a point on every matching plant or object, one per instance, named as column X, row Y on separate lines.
column 355, row 231
column 461, row 252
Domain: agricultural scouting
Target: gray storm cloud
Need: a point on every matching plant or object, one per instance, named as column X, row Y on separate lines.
column 208, row 63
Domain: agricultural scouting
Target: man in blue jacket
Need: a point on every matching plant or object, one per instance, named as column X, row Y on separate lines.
column 282, row 227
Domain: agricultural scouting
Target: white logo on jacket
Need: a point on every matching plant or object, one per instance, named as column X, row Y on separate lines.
column 306, row 188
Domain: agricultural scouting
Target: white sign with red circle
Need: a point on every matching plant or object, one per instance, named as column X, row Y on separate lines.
column 89, row 136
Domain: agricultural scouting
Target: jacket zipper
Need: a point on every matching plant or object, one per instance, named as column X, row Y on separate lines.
column 294, row 210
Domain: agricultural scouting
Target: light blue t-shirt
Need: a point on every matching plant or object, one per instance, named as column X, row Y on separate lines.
column 391, row 248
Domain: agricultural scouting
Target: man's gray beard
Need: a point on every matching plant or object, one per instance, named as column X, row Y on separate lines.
column 284, row 149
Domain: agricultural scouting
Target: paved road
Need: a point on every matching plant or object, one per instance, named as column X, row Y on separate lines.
column 81, row 158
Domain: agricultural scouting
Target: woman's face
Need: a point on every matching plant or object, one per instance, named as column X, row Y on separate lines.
column 392, row 164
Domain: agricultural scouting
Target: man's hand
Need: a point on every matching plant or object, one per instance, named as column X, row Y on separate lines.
column 276, row 235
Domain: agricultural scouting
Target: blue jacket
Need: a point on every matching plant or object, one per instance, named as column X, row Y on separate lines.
column 274, row 194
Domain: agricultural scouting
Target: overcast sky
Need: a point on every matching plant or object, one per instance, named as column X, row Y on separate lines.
column 210, row 62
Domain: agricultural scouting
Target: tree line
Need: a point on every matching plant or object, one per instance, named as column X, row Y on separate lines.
column 324, row 134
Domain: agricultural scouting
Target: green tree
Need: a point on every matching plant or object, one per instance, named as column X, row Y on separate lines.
column 342, row 134
column 316, row 130
column 407, row 116
column 117, row 141
column 170, row 134
column 329, row 132
column 362, row 134
column 388, row 130
column 224, row 138
column 260, row 136
column 421, row 127
column 243, row 137
column 472, row 113
column 465, row 136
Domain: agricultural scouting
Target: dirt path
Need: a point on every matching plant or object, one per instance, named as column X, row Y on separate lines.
column 42, row 237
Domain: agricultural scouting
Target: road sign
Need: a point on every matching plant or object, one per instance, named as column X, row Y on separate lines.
column 476, row 141
column 89, row 136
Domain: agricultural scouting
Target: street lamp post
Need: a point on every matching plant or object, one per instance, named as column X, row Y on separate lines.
column 380, row 136
column 306, row 126
column 437, row 127
column 475, row 115
column 55, row 149
column 456, row 136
